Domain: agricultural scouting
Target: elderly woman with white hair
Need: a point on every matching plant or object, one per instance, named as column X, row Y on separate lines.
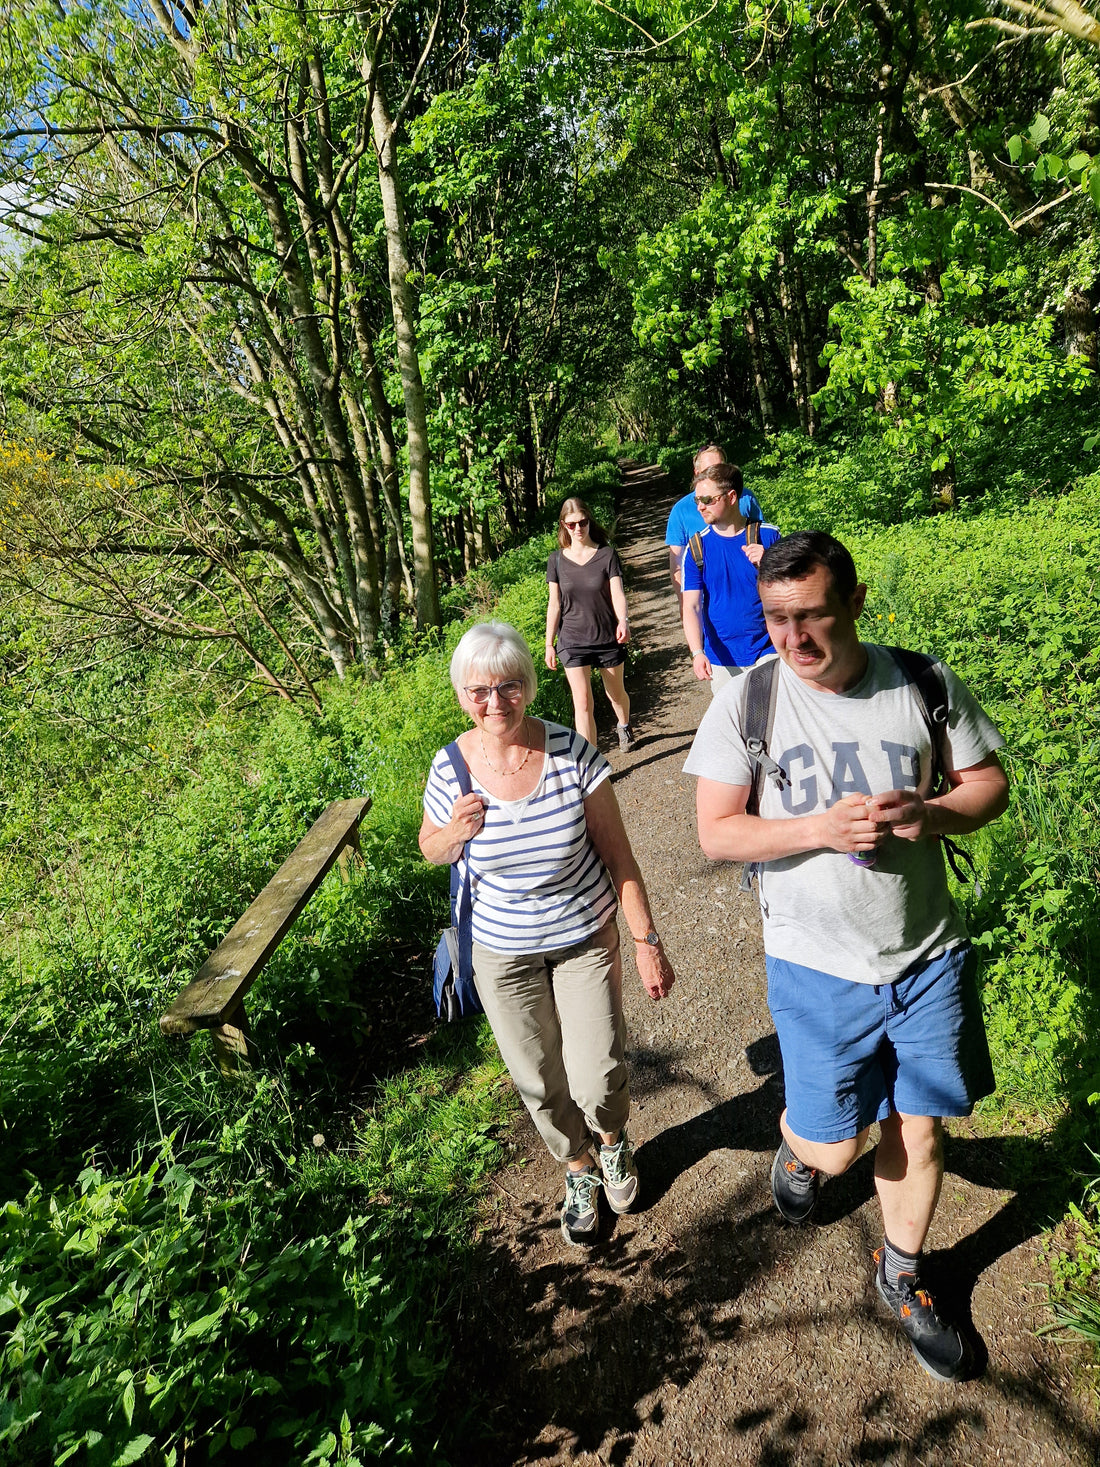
column 549, row 861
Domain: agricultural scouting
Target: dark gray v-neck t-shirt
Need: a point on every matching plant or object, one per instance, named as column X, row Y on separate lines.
column 587, row 616
column 821, row 910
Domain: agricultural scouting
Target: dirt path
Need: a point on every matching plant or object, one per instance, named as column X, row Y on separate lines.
column 704, row 1329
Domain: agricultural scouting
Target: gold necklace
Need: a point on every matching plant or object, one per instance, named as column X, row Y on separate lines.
column 492, row 766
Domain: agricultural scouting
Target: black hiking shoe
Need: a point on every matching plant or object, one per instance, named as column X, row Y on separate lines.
column 940, row 1349
column 794, row 1186
column 580, row 1219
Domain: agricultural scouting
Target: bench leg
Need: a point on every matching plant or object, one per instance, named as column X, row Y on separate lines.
column 350, row 857
column 233, row 1048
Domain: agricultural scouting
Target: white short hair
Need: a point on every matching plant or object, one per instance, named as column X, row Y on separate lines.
column 497, row 650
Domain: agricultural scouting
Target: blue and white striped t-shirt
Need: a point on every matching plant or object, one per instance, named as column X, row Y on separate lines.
column 536, row 880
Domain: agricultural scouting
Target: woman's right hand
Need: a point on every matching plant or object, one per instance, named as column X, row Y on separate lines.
column 655, row 970
column 467, row 817
column 551, row 656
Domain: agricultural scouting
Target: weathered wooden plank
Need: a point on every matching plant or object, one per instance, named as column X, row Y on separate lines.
column 232, row 1047
column 210, row 999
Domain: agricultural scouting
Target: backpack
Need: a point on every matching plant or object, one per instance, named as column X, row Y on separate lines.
column 695, row 544
column 922, row 675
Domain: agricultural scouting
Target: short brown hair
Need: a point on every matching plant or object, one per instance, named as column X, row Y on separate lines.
column 707, row 448
column 794, row 557
column 728, row 477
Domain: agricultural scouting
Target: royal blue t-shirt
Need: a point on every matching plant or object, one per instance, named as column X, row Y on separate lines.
column 734, row 633
column 683, row 521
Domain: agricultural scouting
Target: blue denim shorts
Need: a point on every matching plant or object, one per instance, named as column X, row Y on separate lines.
column 855, row 1052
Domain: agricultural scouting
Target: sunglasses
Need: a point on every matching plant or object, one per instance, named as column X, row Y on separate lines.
column 576, row 524
column 702, row 500
column 507, row 692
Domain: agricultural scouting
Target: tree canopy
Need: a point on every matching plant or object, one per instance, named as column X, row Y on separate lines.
column 304, row 299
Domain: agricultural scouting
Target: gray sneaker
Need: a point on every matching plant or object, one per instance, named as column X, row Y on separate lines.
column 626, row 737
column 580, row 1221
column 620, row 1175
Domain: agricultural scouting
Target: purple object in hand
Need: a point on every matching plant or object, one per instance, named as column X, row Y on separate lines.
column 863, row 858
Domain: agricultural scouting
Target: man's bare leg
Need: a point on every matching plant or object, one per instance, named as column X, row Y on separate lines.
column 830, row 1157
column 908, row 1176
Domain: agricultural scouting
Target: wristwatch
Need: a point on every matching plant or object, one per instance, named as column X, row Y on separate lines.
column 651, row 939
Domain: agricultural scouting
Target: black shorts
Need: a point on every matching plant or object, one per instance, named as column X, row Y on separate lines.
column 609, row 654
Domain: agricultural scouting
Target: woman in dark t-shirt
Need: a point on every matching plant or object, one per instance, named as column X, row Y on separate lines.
column 587, row 617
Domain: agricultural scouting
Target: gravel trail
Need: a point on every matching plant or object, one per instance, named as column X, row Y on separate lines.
column 703, row 1329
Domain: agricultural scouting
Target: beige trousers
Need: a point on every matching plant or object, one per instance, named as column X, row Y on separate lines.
column 558, row 1019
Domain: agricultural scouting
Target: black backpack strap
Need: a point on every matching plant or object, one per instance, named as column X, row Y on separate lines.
column 752, row 532
column 926, row 680
column 461, row 900
column 930, row 690
column 757, row 730
column 695, row 545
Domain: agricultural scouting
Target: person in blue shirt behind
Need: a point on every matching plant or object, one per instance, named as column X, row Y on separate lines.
column 722, row 616
column 685, row 520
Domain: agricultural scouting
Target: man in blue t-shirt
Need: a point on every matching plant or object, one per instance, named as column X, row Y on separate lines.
column 684, row 519
column 723, row 619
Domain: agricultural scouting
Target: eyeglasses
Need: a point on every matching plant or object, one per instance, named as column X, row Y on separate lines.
column 576, row 524
column 702, row 500
column 506, row 692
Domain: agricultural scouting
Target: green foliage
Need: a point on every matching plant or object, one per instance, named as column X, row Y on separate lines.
column 142, row 1312
column 269, row 1279
column 1008, row 599
column 940, row 362
column 1070, row 167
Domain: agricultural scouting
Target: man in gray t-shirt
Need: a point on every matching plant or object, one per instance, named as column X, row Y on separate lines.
column 870, row 976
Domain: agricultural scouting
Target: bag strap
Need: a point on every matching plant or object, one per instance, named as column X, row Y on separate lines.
column 752, row 532
column 695, row 545
column 930, row 690
column 759, row 717
column 461, row 900
column 926, row 680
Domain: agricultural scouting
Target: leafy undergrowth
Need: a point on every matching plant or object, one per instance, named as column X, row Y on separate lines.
column 195, row 1270
column 265, row 1292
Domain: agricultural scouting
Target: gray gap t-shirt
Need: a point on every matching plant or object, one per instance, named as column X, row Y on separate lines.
column 821, row 909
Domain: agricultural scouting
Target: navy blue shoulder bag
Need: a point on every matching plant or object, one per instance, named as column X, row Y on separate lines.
column 453, row 989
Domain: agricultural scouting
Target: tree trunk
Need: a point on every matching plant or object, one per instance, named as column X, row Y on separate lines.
column 483, row 538
column 403, row 302
column 529, row 463
column 1080, row 326
column 795, row 346
column 759, row 372
column 944, row 486
column 809, row 354
column 507, row 498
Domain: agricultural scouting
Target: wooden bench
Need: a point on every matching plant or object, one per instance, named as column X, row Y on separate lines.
column 214, row 999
